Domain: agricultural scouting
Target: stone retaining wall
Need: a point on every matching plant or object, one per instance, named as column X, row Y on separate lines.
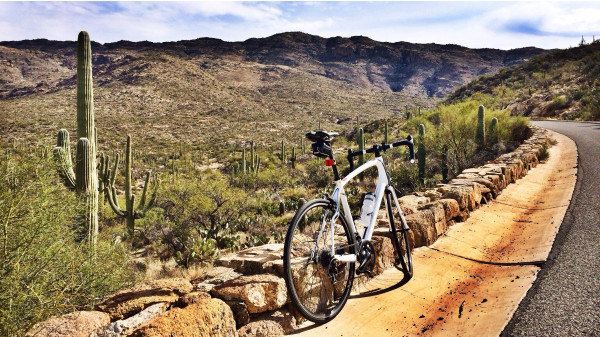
column 245, row 294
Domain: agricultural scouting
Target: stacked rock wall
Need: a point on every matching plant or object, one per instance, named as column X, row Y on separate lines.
column 245, row 293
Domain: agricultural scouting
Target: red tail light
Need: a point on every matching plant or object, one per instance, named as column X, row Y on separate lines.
column 329, row 162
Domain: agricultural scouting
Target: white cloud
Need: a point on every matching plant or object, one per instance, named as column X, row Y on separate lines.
column 472, row 24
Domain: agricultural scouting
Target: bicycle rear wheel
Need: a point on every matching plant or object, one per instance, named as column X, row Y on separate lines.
column 318, row 285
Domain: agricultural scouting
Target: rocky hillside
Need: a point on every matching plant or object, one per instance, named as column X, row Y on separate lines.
column 561, row 84
column 209, row 90
column 418, row 69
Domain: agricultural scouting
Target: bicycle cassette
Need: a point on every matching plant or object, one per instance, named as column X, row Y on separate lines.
column 366, row 257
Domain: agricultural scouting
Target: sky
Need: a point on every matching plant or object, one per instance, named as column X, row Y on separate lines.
column 503, row 25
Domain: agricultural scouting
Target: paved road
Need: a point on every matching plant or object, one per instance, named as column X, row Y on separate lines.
column 565, row 299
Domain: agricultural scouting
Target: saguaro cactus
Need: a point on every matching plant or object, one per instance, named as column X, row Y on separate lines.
column 445, row 164
column 385, row 132
column 293, row 157
column 244, row 162
column 85, row 130
column 480, row 135
column 494, row 131
column 281, row 207
column 283, row 152
column 421, row 154
column 361, row 146
column 131, row 211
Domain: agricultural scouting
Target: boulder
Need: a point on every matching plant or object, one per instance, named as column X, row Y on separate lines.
column 461, row 194
column 127, row 326
column 214, row 276
column 240, row 312
column 252, row 261
column 422, row 226
column 265, row 328
column 410, row 203
column 259, row 292
column 129, row 302
column 283, row 317
column 439, row 216
column 191, row 298
column 75, row 324
column 207, row 317
column 451, row 208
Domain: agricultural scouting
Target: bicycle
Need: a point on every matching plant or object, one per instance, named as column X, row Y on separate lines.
column 322, row 245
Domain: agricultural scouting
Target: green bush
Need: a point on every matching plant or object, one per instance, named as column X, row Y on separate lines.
column 44, row 270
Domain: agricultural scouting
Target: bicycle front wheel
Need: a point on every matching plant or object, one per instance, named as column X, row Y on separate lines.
column 318, row 285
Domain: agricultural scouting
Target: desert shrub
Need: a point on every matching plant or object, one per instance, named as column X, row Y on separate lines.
column 44, row 269
column 199, row 215
column 543, row 154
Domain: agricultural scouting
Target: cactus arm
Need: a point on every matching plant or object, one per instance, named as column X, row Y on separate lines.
column 110, row 192
column 114, row 170
column 62, row 157
column 65, row 171
column 143, row 199
column 142, row 212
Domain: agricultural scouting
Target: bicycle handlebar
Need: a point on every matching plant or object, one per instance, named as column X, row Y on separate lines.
column 383, row 147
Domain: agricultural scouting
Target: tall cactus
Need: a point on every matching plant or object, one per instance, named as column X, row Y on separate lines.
column 282, row 156
column 244, row 162
column 86, row 163
column 131, row 211
column 252, row 158
column 494, row 131
column 445, row 164
column 385, row 132
column 480, row 135
column 407, row 114
column 421, row 154
column 293, row 157
column 361, row 146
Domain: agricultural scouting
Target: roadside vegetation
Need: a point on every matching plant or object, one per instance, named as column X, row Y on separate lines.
column 562, row 84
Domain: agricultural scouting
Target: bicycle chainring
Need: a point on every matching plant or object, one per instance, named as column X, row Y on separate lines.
column 366, row 257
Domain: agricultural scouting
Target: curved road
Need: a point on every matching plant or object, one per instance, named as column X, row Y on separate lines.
column 565, row 299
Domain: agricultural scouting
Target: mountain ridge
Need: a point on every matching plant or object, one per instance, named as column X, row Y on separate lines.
column 428, row 70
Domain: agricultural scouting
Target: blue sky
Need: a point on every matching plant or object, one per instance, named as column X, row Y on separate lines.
column 502, row 25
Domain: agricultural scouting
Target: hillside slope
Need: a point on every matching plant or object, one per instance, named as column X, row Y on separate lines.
column 208, row 91
column 562, row 84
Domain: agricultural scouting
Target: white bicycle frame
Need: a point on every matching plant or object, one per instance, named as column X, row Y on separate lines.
column 339, row 197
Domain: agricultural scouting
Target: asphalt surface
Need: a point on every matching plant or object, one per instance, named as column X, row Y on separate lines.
column 565, row 299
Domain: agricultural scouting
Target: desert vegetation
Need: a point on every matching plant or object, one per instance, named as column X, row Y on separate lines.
column 562, row 84
column 63, row 250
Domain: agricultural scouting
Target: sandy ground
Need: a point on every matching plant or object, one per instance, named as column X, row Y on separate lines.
column 471, row 280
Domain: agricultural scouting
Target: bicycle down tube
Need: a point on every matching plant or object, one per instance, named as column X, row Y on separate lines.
column 339, row 197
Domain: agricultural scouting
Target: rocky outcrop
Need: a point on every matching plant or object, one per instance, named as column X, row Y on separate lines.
column 214, row 276
column 259, row 292
column 126, row 326
column 204, row 318
column 75, row 324
column 253, row 260
column 131, row 301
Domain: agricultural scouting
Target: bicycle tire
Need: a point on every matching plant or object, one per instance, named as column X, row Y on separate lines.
column 305, row 261
column 400, row 243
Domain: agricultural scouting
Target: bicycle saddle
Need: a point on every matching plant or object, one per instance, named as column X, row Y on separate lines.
column 321, row 136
